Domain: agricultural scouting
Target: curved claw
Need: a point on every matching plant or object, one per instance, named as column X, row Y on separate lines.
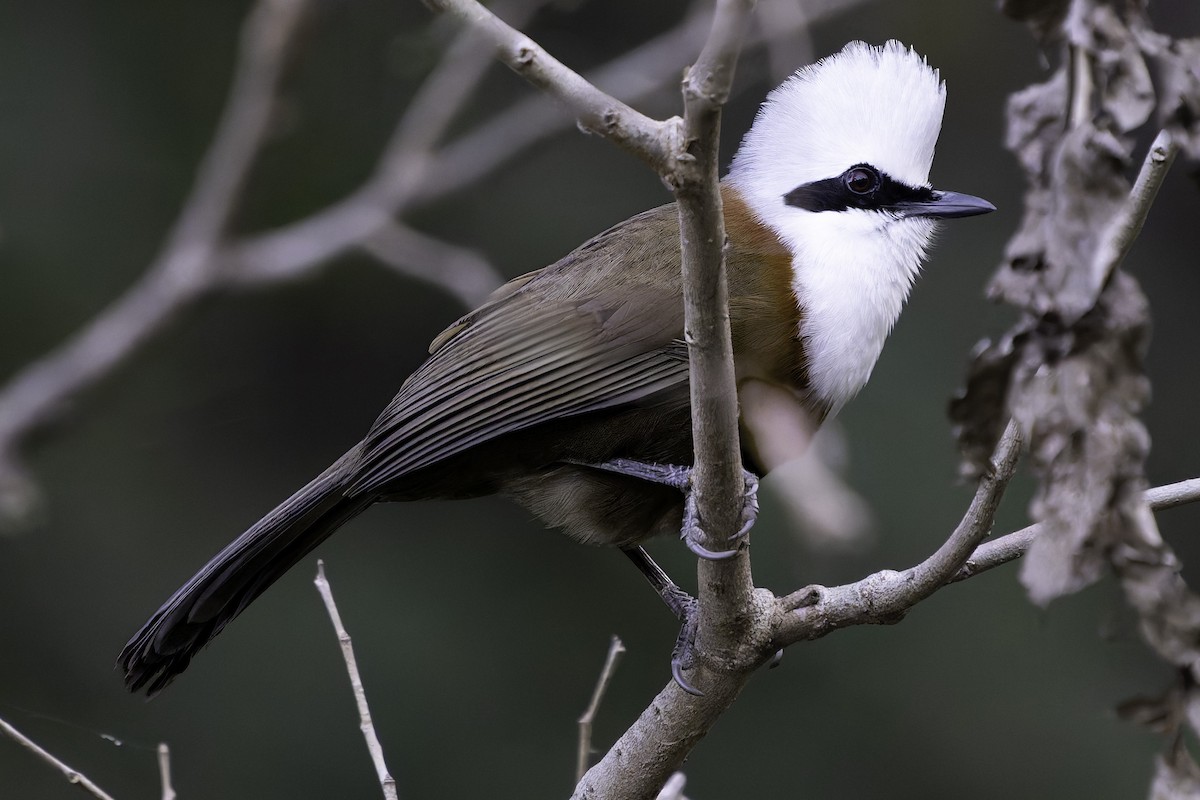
column 750, row 505
column 677, row 674
column 744, row 530
column 710, row 555
column 775, row 659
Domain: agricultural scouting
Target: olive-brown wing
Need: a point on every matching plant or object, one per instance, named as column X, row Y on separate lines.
column 521, row 362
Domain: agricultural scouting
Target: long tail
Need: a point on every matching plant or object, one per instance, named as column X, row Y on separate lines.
column 216, row 594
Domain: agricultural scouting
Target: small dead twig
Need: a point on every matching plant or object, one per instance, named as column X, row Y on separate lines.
column 1123, row 231
column 72, row 775
column 164, row 771
column 386, row 781
column 1012, row 546
column 884, row 597
column 615, row 650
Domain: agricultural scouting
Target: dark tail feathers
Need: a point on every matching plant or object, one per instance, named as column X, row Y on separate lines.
column 203, row 606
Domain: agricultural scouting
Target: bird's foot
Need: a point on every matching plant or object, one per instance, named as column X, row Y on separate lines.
column 681, row 478
column 693, row 535
column 683, row 655
column 685, row 608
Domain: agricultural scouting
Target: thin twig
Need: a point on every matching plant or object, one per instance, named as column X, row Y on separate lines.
column 596, row 111
column 1123, row 230
column 164, row 771
column 386, row 781
column 634, row 76
column 615, row 650
column 885, row 597
column 1012, row 546
column 72, row 775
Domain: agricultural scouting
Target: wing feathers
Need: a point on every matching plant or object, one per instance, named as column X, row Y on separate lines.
column 521, row 362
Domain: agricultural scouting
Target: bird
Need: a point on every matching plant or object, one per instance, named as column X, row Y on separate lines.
column 567, row 390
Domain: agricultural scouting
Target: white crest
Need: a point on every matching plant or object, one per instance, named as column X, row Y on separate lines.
column 852, row 269
column 875, row 105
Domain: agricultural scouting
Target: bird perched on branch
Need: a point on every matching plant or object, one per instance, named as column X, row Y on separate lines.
column 567, row 390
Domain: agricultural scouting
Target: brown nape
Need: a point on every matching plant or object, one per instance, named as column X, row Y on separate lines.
column 763, row 309
column 744, row 229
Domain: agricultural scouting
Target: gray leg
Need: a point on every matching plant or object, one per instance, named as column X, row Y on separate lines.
column 682, row 605
column 681, row 479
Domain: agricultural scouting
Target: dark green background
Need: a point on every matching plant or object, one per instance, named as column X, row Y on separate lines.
column 479, row 634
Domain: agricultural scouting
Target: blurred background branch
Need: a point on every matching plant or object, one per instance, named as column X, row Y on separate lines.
column 416, row 168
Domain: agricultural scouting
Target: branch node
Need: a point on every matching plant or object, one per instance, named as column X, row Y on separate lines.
column 807, row 597
column 526, row 54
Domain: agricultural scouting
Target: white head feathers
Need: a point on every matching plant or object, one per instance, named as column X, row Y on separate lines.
column 852, row 268
column 875, row 105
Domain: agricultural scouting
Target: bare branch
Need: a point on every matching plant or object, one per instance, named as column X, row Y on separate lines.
column 597, row 111
column 179, row 274
column 1173, row 494
column 73, row 776
column 1012, row 546
column 386, row 781
column 1123, row 230
column 408, row 158
column 269, row 40
column 462, row 272
column 399, row 184
column 615, row 650
column 885, row 597
column 633, row 76
column 655, row 746
column 717, row 479
column 164, row 771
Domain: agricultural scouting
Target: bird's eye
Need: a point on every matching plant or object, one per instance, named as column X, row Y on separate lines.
column 862, row 180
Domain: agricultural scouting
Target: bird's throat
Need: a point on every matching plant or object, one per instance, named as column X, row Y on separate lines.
column 848, row 274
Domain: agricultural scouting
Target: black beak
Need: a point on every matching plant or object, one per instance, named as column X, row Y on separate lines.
column 944, row 205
